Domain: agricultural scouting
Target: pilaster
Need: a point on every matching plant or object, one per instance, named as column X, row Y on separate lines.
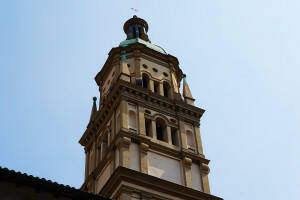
column 123, row 145
column 204, row 169
column 198, row 140
column 143, row 157
column 151, row 85
column 124, row 115
column 137, row 66
column 187, row 165
column 153, row 129
column 169, row 135
column 142, row 127
column 182, row 135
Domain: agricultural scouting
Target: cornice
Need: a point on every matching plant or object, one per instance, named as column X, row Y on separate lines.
column 122, row 174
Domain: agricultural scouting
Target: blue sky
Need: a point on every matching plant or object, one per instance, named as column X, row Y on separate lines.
column 242, row 64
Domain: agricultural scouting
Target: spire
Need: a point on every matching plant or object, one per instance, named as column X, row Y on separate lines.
column 188, row 98
column 94, row 109
column 136, row 28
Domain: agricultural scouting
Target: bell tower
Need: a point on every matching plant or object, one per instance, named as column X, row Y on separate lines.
column 143, row 140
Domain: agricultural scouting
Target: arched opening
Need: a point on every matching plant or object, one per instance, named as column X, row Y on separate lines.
column 161, row 129
column 190, row 140
column 166, row 88
column 145, row 78
column 148, row 124
column 156, row 85
column 174, row 136
column 132, row 119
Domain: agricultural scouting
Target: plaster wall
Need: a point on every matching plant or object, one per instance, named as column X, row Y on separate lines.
column 131, row 65
column 134, row 157
column 165, row 168
column 196, row 177
column 160, row 70
column 103, row 177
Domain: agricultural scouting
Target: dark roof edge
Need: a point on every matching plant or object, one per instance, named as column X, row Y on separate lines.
column 45, row 185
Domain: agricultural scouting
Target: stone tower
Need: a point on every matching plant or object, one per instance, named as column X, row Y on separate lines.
column 143, row 142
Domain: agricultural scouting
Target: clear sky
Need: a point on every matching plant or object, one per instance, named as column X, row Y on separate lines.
column 242, row 64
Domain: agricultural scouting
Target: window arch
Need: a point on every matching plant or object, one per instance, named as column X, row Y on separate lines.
column 161, row 130
column 145, row 78
column 166, row 88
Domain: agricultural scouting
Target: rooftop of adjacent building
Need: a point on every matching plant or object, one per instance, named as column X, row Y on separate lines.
column 44, row 185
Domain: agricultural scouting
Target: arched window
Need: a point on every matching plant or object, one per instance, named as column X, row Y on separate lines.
column 132, row 119
column 156, row 85
column 174, row 136
column 161, row 129
column 166, row 88
column 145, row 78
column 148, row 124
column 190, row 140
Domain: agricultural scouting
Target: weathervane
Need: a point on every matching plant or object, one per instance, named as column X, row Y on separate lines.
column 134, row 10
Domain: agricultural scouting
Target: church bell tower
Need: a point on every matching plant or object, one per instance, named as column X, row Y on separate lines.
column 143, row 141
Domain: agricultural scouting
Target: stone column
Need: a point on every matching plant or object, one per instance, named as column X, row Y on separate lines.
column 161, row 89
column 151, row 85
column 143, row 157
column 124, row 115
column 142, row 127
column 204, row 169
column 182, row 134
column 123, row 145
column 198, row 140
column 187, row 165
column 153, row 129
column 169, row 136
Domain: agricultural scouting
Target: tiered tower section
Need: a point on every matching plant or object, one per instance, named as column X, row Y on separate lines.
column 144, row 140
